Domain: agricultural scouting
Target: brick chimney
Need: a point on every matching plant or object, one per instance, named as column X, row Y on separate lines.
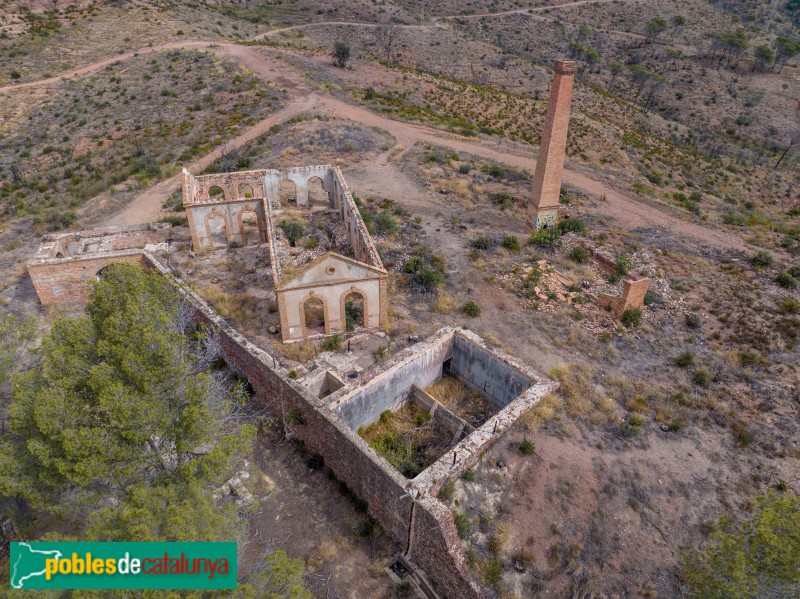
column 550, row 164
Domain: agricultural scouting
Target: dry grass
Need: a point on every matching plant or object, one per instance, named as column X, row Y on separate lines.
column 501, row 537
column 301, row 351
column 549, row 407
column 580, row 394
column 445, row 303
column 239, row 307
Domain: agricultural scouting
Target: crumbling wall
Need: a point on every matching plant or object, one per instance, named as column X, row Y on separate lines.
column 364, row 471
column 632, row 297
column 435, row 546
column 66, row 263
column 66, row 281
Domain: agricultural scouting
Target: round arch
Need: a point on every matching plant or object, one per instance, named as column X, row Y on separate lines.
column 364, row 304
column 325, row 313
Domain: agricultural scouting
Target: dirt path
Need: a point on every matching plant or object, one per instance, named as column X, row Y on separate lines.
column 628, row 211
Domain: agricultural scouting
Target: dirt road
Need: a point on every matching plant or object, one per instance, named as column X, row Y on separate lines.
column 629, row 212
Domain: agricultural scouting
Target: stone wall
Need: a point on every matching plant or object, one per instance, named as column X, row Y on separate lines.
column 66, row 281
column 65, row 263
column 421, row 524
column 632, row 297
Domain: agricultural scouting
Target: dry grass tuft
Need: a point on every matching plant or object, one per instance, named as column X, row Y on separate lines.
column 445, row 303
column 580, row 394
column 549, row 407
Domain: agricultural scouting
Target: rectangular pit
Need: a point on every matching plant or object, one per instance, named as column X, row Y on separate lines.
column 422, row 406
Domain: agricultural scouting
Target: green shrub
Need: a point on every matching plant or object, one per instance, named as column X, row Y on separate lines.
column 511, row 243
column 311, row 242
column 762, row 259
column 623, row 264
column 471, row 309
column 332, row 343
column 794, row 271
column 571, row 225
column 293, row 231
column 636, row 421
column 789, row 305
column 293, row 374
column 693, row 321
column 176, row 220
column 447, row 490
column 651, row 297
column 463, row 525
column 748, row 357
column 579, row 255
column 627, row 430
column 413, row 264
column 464, row 169
column 631, row 318
column 684, row 359
column 428, row 277
column 483, row 242
column 386, row 223
column 15, row 74
column 786, row 281
column 544, row 237
column 701, row 378
column 526, row 447
column 469, row 475
column 491, row 570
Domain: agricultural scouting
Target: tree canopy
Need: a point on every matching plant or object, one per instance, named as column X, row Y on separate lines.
column 123, row 396
column 758, row 559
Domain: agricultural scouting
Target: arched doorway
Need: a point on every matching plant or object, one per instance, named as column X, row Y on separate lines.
column 217, row 229
column 354, row 310
column 287, row 193
column 245, row 191
column 102, row 272
column 249, row 226
column 314, row 316
column 317, row 196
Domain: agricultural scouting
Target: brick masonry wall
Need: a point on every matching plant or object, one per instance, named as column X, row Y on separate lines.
column 65, row 281
column 434, row 542
column 436, row 548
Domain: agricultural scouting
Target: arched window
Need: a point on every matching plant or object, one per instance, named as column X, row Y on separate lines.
column 216, row 193
column 251, row 232
column 245, row 191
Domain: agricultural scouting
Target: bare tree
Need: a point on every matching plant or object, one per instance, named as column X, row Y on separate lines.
column 387, row 35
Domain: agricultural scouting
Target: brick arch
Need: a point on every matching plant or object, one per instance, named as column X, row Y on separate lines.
column 214, row 212
column 325, row 312
column 261, row 226
column 363, row 294
column 209, row 185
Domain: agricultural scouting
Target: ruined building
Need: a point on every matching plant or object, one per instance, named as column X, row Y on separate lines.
column 550, row 164
column 238, row 208
column 331, row 404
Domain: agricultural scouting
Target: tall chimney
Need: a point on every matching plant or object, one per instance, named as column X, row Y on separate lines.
column 550, row 164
